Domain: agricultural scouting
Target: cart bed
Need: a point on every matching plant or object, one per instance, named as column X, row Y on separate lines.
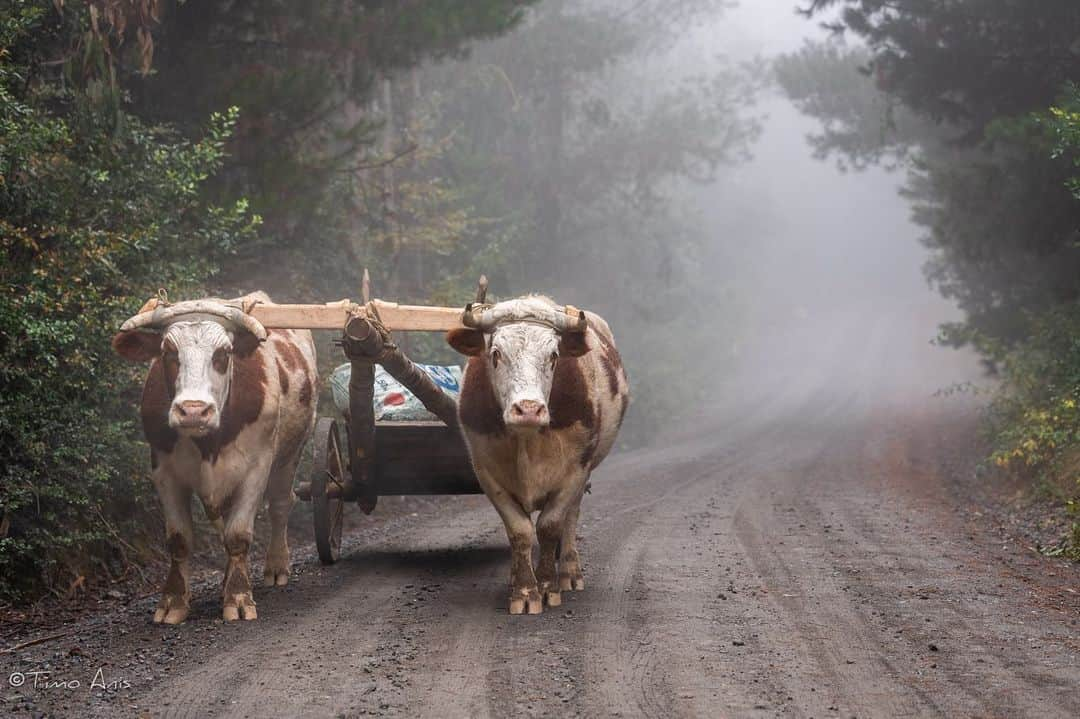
column 421, row 457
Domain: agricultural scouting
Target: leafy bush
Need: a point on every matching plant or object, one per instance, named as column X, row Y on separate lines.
column 1035, row 420
column 1064, row 121
column 96, row 209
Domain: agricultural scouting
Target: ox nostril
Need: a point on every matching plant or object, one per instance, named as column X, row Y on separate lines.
column 528, row 409
column 190, row 410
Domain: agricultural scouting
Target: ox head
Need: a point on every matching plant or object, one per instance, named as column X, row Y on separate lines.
column 521, row 342
column 196, row 349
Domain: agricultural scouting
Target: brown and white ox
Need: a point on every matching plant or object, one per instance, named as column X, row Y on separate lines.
column 226, row 417
column 542, row 400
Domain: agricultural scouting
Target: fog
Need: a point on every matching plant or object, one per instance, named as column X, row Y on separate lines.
column 750, row 267
column 818, row 237
column 823, row 255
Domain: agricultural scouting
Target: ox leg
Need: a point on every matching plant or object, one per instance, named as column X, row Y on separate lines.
column 179, row 538
column 280, row 499
column 570, row 576
column 524, row 593
column 239, row 529
column 559, row 512
column 549, row 532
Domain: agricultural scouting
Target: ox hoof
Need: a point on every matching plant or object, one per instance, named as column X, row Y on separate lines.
column 276, row 577
column 567, row 584
column 240, row 606
column 530, row 603
column 171, row 610
column 552, row 597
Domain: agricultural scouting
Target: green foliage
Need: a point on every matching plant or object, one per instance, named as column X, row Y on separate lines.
column 1036, row 417
column 1064, row 122
column 1034, row 421
column 97, row 210
column 999, row 219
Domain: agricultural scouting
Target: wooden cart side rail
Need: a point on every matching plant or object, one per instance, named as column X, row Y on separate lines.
column 334, row 315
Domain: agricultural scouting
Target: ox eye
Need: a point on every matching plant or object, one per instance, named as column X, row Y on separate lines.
column 496, row 355
column 221, row 360
column 554, row 357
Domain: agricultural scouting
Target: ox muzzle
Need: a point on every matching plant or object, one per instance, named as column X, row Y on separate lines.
column 194, row 417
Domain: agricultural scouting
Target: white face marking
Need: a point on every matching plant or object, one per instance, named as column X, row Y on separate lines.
column 522, row 359
column 201, row 385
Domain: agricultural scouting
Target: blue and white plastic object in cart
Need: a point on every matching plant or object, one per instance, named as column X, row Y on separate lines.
column 392, row 400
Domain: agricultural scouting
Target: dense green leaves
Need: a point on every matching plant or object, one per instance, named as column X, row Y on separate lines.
column 96, row 211
column 1064, row 123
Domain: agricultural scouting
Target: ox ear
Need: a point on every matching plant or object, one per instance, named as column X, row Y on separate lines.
column 466, row 341
column 244, row 343
column 573, row 344
column 137, row 345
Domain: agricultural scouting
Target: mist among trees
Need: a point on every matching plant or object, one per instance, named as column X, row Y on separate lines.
column 977, row 102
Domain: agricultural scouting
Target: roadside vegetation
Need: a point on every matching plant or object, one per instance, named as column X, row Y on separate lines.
column 976, row 101
column 97, row 206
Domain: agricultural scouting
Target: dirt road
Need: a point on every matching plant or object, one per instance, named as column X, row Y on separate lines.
column 808, row 553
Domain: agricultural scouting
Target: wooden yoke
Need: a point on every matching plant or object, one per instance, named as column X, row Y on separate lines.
column 334, row 316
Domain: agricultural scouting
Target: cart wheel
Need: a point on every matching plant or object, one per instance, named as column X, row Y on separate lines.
column 327, row 490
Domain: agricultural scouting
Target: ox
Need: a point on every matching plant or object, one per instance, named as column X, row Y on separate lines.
column 543, row 398
column 226, row 413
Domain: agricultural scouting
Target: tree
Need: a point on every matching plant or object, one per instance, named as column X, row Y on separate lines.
column 322, row 115
column 963, row 84
column 965, row 62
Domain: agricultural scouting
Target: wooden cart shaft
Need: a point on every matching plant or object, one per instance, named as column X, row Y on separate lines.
column 392, row 458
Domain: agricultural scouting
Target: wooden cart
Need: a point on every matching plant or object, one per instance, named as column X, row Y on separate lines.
column 373, row 458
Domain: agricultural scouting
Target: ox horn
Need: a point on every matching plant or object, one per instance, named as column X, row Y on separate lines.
column 485, row 319
column 571, row 319
column 164, row 315
column 477, row 318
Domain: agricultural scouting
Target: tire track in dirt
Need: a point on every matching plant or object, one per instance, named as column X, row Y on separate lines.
column 849, row 670
column 958, row 619
column 633, row 625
